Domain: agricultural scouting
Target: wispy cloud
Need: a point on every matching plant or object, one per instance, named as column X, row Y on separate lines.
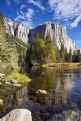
column 25, row 17
column 66, row 10
column 37, row 3
column 76, row 21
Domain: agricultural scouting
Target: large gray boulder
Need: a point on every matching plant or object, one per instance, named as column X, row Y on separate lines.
column 18, row 115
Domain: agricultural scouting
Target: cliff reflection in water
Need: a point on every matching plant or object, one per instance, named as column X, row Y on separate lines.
column 59, row 95
column 63, row 89
column 62, row 86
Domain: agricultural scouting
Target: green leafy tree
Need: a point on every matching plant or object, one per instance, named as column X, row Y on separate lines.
column 41, row 51
column 51, row 51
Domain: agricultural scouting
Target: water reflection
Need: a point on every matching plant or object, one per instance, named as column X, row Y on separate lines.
column 62, row 85
column 20, row 97
column 17, row 100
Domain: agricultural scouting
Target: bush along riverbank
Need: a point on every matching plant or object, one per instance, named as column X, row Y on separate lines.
column 16, row 79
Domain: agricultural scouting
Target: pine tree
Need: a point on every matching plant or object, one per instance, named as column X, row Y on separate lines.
column 41, row 51
column 70, row 55
column 62, row 53
column 66, row 59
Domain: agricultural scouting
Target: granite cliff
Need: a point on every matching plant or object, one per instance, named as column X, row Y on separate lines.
column 17, row 29
column 57, row 33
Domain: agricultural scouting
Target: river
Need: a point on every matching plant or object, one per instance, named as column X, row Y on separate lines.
column 63, row 86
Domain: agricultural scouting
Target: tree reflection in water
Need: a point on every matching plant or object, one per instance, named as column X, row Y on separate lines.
column 63, row 88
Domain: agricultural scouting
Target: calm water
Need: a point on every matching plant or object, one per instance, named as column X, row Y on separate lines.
column 63, row 88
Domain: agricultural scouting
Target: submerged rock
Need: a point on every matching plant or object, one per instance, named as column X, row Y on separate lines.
column 67, row 116
column 18, row 115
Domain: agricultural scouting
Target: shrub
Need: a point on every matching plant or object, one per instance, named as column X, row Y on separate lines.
column 19, row 77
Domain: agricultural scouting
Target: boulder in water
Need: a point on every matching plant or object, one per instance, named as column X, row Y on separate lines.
column 68, row 115
column 41, row 92
column 13, row 81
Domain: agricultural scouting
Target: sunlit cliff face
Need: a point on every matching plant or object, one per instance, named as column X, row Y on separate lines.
column 16, row 29
column 57, row 33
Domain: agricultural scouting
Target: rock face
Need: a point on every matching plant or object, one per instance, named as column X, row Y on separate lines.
column 57, row 33
column 18, row 115
column 17, row 29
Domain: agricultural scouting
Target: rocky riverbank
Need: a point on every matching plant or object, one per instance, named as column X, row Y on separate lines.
column 25, row 115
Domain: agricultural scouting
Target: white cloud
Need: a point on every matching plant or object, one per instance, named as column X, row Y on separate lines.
column 76, row 21
column 66, row 10
column 37, row 3
column 26, row 17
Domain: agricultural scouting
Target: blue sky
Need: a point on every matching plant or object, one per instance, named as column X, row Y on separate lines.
column 34, row 12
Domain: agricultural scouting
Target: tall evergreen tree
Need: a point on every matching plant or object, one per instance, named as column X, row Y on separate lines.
column 70, row 55
column 78, row 56
column 66, row 58
column 62, row 53
column 42, row 51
